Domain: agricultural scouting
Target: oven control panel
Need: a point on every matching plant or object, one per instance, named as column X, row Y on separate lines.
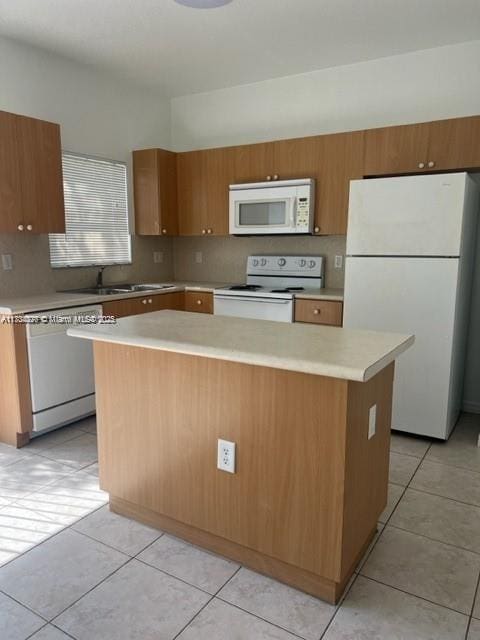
column 306, row 266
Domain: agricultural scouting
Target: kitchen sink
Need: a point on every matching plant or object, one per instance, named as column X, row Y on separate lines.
column 120, row 288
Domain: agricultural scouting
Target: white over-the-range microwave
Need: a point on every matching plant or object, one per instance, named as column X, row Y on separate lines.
column 266, row 208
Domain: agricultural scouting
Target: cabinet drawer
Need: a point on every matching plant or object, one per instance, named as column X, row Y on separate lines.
column 200, row 301
column 146, row 304
column 319, row 312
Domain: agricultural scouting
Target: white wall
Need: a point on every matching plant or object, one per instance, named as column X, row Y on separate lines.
column 99, row 116
column 425, row 85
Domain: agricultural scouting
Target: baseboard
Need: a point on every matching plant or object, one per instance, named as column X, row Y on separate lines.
column 471, row 407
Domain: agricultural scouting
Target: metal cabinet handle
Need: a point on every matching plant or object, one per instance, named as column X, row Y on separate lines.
column 209, row 231
column 150, row 301
column 421, row 165
column 144, row 301
column 164, row 231
column 29, row 227
column 204, row 231
column 316, row 312
column 269, row 177
column 20, row 227
column 431, row 164
column 199, row 302
column 275, row 176
column 317, row 229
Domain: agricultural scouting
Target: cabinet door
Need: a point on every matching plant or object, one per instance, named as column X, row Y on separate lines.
column 332, row 160
column 192, row 199
column 155, row 192
column 199, row 301
column 41, row 175
column 127, row 307
column 253, row 162
column 454, row 144
column 11, row 213
column 174, row 301
column 219, row 167
column 340, row 160
column 391, row 150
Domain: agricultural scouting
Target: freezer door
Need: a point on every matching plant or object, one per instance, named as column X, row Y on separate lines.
column 406, row 216
column 410, row 295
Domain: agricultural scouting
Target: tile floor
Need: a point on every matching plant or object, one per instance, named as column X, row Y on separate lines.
column 71, row 569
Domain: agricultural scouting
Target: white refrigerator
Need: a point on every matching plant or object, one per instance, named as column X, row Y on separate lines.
column 410, row 254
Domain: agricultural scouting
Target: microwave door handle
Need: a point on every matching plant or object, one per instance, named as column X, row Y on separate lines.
column 292, row 212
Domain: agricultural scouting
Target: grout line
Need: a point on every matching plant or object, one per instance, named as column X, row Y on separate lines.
column 39, row 615
column 414, row 595
column 171, row 575
column 440, row 495
column 86, row 535
column 422, row 535
column 204, row 606
column 255, row 615
column 57, row 615
column 477, row 594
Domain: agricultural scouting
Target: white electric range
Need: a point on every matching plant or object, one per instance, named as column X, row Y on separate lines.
column 272, row 282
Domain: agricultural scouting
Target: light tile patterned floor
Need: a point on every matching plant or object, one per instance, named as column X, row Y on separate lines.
column 71, row 569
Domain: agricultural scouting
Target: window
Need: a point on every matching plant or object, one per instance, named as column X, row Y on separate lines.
column 96, row 214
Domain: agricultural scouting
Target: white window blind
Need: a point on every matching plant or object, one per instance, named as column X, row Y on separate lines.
column 96, row 214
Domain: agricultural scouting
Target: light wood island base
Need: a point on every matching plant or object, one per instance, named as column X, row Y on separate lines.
column 309, row 485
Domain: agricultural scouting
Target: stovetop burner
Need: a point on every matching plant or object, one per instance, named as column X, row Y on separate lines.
column 287, row 290
column 245, row 287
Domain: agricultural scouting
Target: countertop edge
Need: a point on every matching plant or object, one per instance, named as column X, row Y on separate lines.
column 341, row 372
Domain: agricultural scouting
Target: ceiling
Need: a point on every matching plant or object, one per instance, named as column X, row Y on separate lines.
column 180, row 50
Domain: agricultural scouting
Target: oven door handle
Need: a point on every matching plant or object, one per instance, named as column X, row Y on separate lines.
column 253, row 299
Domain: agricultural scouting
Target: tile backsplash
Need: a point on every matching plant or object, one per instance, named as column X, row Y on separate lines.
column 32, row 273
column 224, row 258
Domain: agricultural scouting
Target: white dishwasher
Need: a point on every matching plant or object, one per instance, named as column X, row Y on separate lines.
column 61, row 368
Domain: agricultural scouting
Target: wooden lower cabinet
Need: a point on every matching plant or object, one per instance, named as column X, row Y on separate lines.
column 135, row 306
column 319, row 312
column 200, row 301
column 16, row 420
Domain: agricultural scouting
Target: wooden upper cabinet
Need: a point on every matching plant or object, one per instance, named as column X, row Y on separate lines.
column 340, row 160
column 332, row 160
column 203, row 180
column 253, row 162
column 11, row 213
column 441, row 145
column 191, row 179
column 31, row 181
column 42, row 179
column 454, row 144
column 155, row 192
column 402, row 149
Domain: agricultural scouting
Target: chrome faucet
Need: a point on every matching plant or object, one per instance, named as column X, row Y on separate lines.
column 100, row 277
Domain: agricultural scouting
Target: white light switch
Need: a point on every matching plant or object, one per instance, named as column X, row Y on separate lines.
column 372, row 421
column 158, row 257
column 7, row 262
column 198, row 257
column 338, row 262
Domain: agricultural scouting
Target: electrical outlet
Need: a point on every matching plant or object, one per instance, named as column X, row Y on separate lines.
column 7, row 262
column 198, row 257
column 372, row 421
column 158, row 257
column 226, row 456
column 338, row 262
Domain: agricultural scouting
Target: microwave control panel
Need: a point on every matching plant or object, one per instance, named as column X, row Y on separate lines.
column 303, row 213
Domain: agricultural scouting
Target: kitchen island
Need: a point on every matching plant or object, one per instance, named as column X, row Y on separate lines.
column 308, row 408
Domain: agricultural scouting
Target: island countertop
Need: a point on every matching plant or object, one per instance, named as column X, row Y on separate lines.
column 320, row 350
